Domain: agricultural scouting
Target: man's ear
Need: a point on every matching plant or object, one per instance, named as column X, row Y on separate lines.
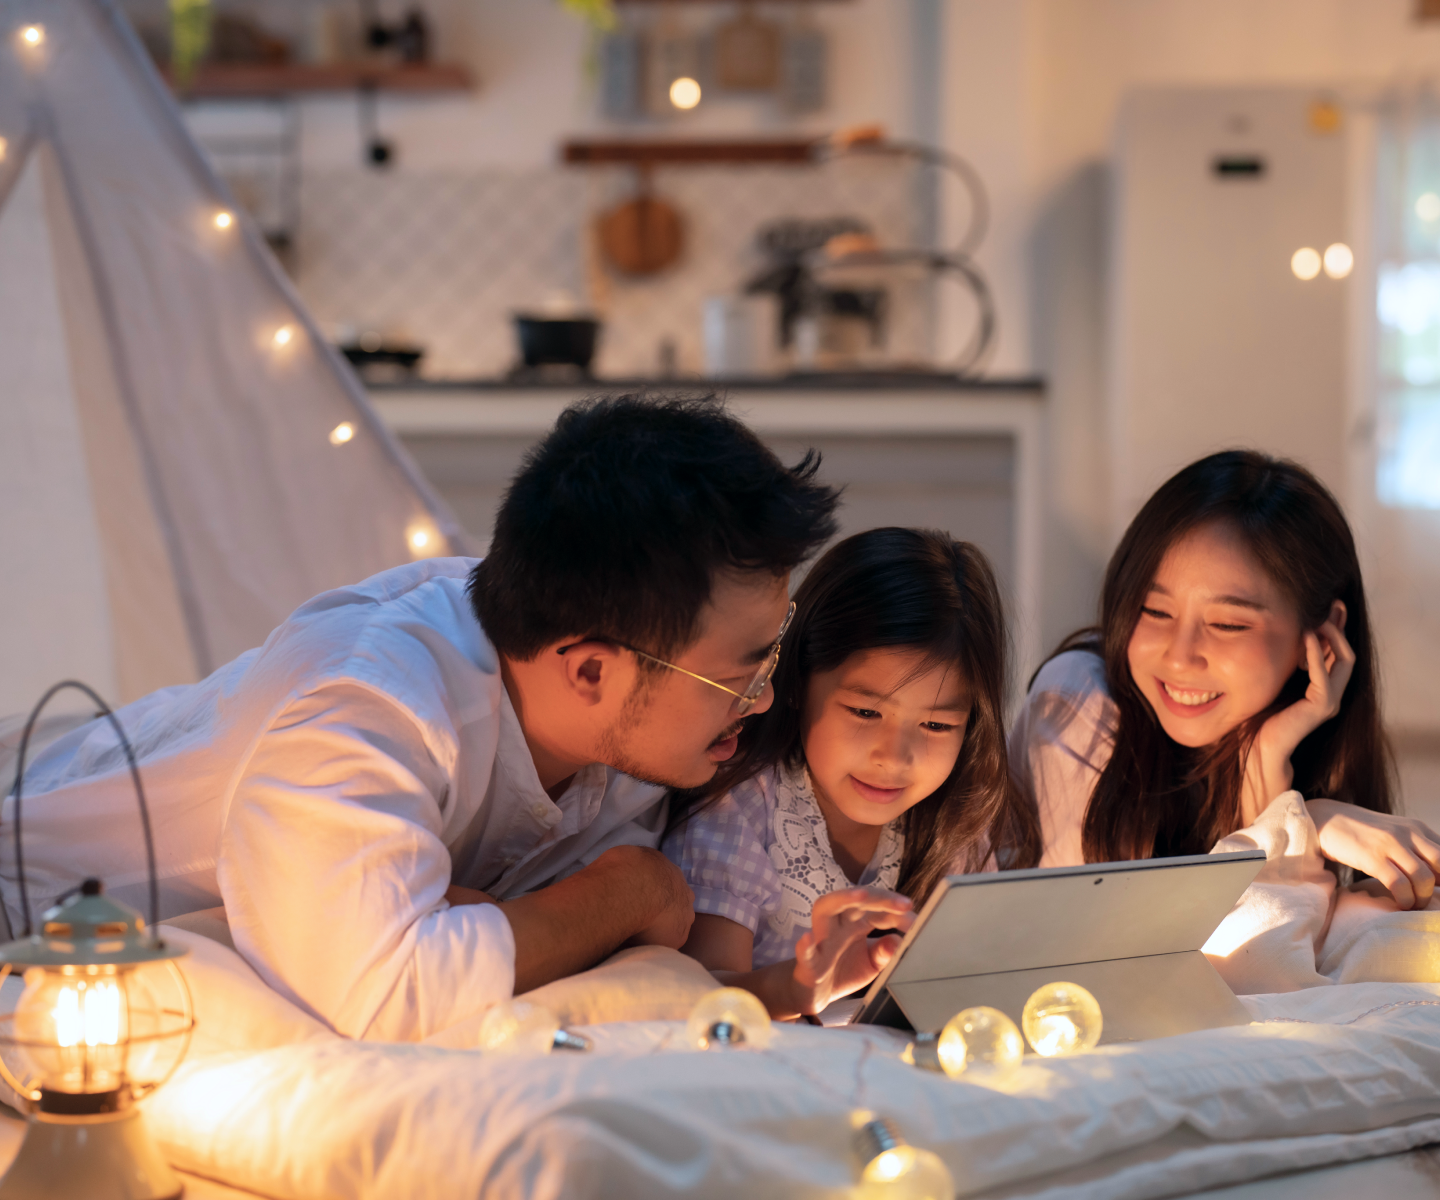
column 590, row 669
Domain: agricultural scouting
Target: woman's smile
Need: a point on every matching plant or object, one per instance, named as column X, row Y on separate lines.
column 1188, row 702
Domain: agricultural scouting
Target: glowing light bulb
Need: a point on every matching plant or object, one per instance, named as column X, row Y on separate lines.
column 342, row 433
column 979, row 1043
column 518, row 1027
column 1305, row 262
column 284, row 335
column 728, row 1017
column 223, row 219
column 4, row 148
column 33, row 35
column 1062, row 1018
column 1427, row 206
column 1339, row 259
column 74, row 1028
column 892, row 1168
column 685, row 93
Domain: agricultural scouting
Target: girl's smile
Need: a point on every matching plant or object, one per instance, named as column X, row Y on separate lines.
column 876, row 795
column 1187, row 702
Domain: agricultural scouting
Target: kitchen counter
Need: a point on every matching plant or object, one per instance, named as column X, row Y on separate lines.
column 930, row 451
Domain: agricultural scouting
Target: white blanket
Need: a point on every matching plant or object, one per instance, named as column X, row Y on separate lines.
column 273, row 1102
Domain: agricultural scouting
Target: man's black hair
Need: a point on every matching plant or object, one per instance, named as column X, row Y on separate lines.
column 619, row 521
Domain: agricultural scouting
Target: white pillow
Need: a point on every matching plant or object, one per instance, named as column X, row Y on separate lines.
column 234, row 1008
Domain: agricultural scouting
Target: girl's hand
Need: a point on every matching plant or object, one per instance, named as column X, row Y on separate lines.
column 1329, row 660
column 835, row 957
column 463, row 895
column 1403, row 854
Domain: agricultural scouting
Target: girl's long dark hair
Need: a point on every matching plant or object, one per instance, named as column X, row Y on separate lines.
column 918, row 590
column 1156, row 798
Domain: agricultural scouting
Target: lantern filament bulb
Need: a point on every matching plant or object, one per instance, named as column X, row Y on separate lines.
column 33, row 34
column 342, row 433
column 284, row 335
column 685, row 93
column 223, row 219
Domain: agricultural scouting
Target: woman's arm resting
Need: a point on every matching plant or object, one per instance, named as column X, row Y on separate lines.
column 628, row 894
column 1402, row 853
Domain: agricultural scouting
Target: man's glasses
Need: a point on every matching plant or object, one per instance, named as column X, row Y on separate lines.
column 746, row 699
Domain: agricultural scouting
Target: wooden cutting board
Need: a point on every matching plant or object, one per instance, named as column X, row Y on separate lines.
column 642, row 236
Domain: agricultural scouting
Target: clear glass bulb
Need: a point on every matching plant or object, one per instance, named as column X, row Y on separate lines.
column 980, row 1043
column 890, row 1167
column 518, row 1027
column 907, row 1173
column 728, row 1017
column 75, row 1028
column 1062, row 1018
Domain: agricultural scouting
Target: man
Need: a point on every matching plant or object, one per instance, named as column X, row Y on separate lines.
column 425, row 791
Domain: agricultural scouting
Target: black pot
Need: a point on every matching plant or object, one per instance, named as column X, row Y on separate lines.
column 557, row 340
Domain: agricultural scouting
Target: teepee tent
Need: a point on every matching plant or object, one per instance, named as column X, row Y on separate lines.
column 183, row 460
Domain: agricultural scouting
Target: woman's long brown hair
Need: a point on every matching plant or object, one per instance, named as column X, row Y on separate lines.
column 913, row 589
column 1157, row 799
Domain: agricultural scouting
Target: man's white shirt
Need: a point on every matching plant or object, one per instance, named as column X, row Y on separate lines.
column 327, row 788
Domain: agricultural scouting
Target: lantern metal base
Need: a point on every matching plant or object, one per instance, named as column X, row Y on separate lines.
column 100, row 1158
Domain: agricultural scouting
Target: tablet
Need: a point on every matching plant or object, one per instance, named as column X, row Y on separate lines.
column 1130, row 932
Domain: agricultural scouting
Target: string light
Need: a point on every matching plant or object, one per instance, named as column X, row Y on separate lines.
column 1061, row 1019
column 284, row 335
column 223, row 219
column 1305, row 262
column 342, row 433
column 728, row 1017
column 33, row 35
column 685, row 93
column 980, row 1043
column 4, row 148
column 1339, row 260
column 892, row 1168
column 423, row 539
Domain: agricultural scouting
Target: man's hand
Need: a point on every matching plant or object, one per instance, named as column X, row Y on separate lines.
column 1403, row 854
column 836, row 956
column 629, row 893
column 674, row 903
column 1329, row 661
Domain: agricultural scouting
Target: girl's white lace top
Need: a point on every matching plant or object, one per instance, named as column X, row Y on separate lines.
column 761, row 857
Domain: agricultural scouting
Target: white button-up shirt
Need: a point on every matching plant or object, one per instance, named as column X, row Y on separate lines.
column 328, row 787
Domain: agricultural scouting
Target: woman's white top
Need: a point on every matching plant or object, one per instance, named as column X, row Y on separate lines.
column 761, row 857
column 1059, row 744
column 329, row 786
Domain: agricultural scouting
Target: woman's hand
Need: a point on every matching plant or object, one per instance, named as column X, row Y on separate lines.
column 1403, row 854
column 463, row 895
column 836, row 956
column 1329, row 660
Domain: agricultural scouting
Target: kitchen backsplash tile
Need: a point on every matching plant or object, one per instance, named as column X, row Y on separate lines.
column 444, row 258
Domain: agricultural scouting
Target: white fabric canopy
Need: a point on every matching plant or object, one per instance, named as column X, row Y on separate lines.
column 182, row 458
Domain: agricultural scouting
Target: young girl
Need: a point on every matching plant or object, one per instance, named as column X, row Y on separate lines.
column 1233, row 662
column 879, row 769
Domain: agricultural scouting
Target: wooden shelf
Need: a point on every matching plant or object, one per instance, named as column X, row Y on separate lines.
column 637, row 152
column 218, row 80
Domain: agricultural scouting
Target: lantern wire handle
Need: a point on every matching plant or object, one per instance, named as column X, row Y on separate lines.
column 109, row 715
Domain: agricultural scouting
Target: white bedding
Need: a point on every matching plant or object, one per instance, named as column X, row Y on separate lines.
column 1332, row 1074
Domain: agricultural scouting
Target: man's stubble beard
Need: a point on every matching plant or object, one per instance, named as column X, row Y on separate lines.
column 615, row 742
